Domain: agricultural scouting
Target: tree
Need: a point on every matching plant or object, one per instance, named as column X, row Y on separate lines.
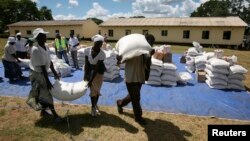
column 137, row 17
column 45, row 13
column 212, row 8
column 12, row 11
column 97, row 21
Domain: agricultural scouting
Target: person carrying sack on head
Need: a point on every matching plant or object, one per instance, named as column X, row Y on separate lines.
column 61, row 47
column 10, row 61
column 137, row 71
column 73, row 43
column 40, row 97
column 93, row 71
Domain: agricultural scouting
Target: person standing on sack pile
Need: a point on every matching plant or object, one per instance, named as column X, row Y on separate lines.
column 21, row 50
column 61, row 47
column 40, row 97
column 73, row 43
column 136, row 73
column 93, row 71
column 10, row 61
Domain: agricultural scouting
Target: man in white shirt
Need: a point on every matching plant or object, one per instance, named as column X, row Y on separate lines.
column 73, row 43
column 21, row 50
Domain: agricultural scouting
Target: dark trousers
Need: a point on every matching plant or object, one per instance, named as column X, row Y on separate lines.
column 22, row 55
column 134, row 97
column 63, row 54
column 74, row 58
column 49, row 106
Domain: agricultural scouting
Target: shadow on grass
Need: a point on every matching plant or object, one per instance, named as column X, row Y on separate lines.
column 162, row 130
column 79, row 121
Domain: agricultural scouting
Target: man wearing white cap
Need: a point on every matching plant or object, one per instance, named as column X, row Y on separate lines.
column 21, row 50
column 40, row 63
column 11, row 69
column 94, row 69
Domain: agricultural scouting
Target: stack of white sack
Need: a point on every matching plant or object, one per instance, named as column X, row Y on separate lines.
column 131, row 46
column 190, row 64
column 197, row 50
column 169, row 75
column 236, row 76
column 60, row 67
column 155, row 72
column 200, row 62
column 217, row 71
column 112, row 71
column 80, row 57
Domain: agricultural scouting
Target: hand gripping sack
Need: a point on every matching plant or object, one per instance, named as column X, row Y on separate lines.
column 132, row 45
column 68, row 91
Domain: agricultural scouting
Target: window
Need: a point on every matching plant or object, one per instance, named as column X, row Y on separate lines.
column 57, row 31
column 16, row 31
column 72, row 31
column 28, row 32
column 111, row 33
column 144, row 32
column 127, row 32
column 186, row 34
column 227, row 35
column 164, row 33
column 205, row 34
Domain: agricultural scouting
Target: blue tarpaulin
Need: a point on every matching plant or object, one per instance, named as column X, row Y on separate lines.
column 193, row 99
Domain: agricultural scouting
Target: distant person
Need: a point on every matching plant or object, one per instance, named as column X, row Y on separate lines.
column 136, row 73
column 40, row 63
column 105, row 38
column 10, row 61
column 93, row 71
column 61, row 47
column 21, row 50
column 73, row 43
column 29, row 45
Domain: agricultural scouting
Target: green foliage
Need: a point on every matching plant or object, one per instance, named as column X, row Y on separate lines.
column 222, row 8
column 12, row 11
column 97, row 21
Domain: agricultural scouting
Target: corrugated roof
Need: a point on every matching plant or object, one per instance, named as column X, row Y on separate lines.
column 48, row 23
column 189, row 21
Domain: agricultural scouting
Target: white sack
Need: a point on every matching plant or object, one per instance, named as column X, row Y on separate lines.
column 218, row 86
column 169, row 83
column 171, row 78
column 185, row 76
column 236, row 87
column 68, row 91
column 237, row 69
column 238, row 76
column 169, row 72
column 224, row 71
column 169, row 66
column 132, row 45
column 24, row 63
column 153, row 83
column 218, row 63
column 216, row 75
column 216, row 81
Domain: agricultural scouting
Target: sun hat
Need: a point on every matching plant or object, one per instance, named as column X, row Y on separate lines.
column 11, row 39
column 37, row 31
column 19, row 33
